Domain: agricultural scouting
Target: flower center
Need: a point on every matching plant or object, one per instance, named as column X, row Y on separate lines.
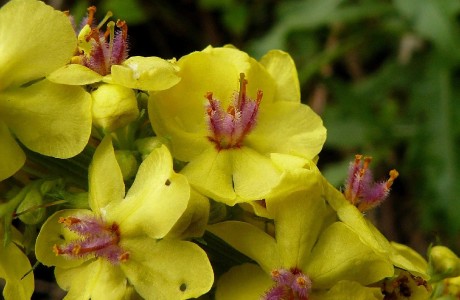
column 360, row 188
column 98, row 239
column 100, row 50
column 229, row 127
column 290, row 284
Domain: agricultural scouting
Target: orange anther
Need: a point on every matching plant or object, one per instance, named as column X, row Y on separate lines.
column 91, row 11
column 301, row 281
column 124, row 257
column 231, row 110
column 69, row 221
column 76, row 249
column 393, row 175
column 208, row 96
column 56, row 250
column 367, row 161
column 124, row 28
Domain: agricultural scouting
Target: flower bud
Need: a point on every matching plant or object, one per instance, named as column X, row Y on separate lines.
column 50, row 185
column 148, row 144
column 444, row 262
column 127, row 162
column 114, row 106
column 451, row 287
column 35, row 215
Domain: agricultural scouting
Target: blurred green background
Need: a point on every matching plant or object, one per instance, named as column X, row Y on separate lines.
column 384, row 75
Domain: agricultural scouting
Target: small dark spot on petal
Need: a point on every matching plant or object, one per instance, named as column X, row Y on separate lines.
column 168, row 182
column 61, row 237
column 183, row 287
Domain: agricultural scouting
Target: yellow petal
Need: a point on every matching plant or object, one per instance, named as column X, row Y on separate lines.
column 287, row 127
column 194, row 220
column 299, row 218
column 334, row 197
column 53, row 233
column 48, row 118
column 14, row 264
column 281, row 67
column 349, row 290
column 145, row 73
column 74, row 74
column 105, row 178
column 354, row 218
column 251, row 241
column 187, row 139
column 211, row 174
column 167, row 269
column 96, row 279
column 223, row 68
column 298, row 174
column 13, row 157
column 243, row 282
column 290, row 162
column 408, row 259
column 36, row 40
column 340, row 255
column 254, row 174
column 233, row 175
column 155, row 201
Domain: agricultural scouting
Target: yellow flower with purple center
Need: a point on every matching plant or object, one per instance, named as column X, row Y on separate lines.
column 126, row 243
column 311, row 255
column 361, row 194
column 101, row 60
column 102, row 56
column 48, row 118
column 229, row 115
column 99, row 50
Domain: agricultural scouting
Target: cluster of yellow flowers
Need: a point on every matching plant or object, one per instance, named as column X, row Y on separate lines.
column 178, row 145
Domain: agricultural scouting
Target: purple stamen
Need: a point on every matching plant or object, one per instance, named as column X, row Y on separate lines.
column 98, row 239
column 360, row 188
column 289, row 284
column 228, row 128
column 107, row 48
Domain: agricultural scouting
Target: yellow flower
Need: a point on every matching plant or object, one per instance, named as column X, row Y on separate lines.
column 229, row 114
column 14, row 265
column 124, row 242
column 311, row 254
column 103, row 56
column 48, row 118
column 102, row 61
column 401, row 256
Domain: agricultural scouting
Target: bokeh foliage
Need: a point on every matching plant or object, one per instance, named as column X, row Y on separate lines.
column 384, row 75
